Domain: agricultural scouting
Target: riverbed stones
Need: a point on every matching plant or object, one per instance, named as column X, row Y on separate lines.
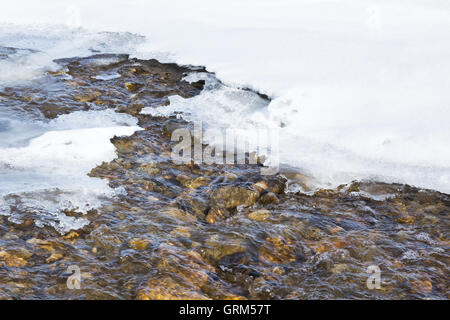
column 225, row 200
column 278, row 250
column 166, row 288
column 216, row 248
column 269, row 198
column 421, row 286
column 54, row 257
column 217, row 214
column 12, row 260
column 208, row 228
column 132, row 87
column 231, row 197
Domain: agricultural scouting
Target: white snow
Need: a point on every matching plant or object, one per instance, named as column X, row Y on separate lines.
column 49, row 172
column 360, row 88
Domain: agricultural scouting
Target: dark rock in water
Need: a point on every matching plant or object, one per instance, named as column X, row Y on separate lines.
column 198, row 206
column 236, row 259
column 279, row 250
column 133, row 87
column 268, row 198
column 200, row 84
column 216, row 214
column 235, row 267
column 225, row 200
column 275, row 184
column 231, row 197
column 51, row 111
column 171, row 125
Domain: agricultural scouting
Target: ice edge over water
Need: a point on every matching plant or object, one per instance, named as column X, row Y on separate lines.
column 360, row 89
column 50, row 173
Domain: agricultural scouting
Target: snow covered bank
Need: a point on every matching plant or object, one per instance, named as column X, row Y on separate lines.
column 360, row 88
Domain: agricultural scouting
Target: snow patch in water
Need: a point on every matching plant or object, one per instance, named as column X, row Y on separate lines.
column 49, row 173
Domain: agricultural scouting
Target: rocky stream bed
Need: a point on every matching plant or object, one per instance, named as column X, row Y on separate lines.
column 203, row 231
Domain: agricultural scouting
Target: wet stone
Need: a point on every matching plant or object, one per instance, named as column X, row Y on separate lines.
column 269, row 198
column 168, row 289
column 279, row 250
column 12, row 260
column 259, row 215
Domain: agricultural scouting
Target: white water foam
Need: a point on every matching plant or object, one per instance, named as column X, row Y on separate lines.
column 360, row 88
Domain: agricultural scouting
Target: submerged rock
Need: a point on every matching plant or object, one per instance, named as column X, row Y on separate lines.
column 278, row 250
column 225, row 200
column 168, row 289
column 259, row 215
column 12, row 260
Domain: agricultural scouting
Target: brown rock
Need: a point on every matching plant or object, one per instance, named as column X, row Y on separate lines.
column 217, row 214
column 277, row 250
column 168, row 289
column 71, row 235
column 422, row 286
column 261, row 186
column 198, row 182
column 181, row 231
column 54, row 257
column 139, row 244
column 216, row 248
column 178, row 214
column 340, row 243
column 43, row 244
column 12, row 260
column 132, row 87
column 259, row 215
column 225, row 200
column 91, row 96
column 231, row 197
column 269, row 198
column 406, row 219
